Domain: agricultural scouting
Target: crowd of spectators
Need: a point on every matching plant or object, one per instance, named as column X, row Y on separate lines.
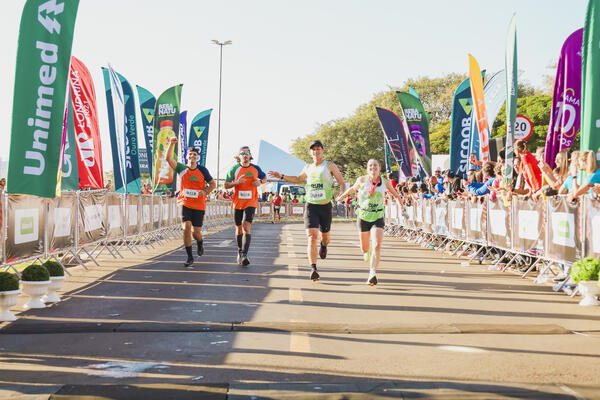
column 575, row 174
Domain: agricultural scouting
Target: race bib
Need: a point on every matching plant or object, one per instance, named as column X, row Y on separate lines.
column 316, row 195
column 245, row 194
column 191, row 193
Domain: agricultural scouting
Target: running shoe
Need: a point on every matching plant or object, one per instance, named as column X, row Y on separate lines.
column 367, row 256
column 372, row 281
column 322, row 250
column 314, row 275
column 188, row 262
column 200, row 250
column 245, row 260
column 239, row 258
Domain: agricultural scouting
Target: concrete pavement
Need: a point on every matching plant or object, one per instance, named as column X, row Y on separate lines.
column 146, row 326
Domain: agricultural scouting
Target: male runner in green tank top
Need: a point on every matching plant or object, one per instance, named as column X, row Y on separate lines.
column 318, row 214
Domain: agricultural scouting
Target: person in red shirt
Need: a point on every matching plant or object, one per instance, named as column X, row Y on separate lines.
column 276, row 201
column 529, row 165
column 196, row 185
column 244, row 178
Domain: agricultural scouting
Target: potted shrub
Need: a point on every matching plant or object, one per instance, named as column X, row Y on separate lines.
column 585, row 274
column 9, row 292
column 57, row 276
column 35, row 279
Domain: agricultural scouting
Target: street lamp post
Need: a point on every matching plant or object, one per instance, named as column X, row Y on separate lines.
column 220, row 44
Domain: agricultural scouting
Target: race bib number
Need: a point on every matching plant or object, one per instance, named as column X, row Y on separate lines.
column 316, row 195
column 245, row 194
column 191, row 193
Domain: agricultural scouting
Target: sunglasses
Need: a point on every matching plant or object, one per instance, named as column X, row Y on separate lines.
column 244, row 153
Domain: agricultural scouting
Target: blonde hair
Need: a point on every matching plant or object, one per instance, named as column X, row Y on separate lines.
column 589, row 158
column 562, row 163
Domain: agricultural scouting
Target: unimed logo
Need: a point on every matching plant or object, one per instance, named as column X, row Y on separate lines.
column 26, row 227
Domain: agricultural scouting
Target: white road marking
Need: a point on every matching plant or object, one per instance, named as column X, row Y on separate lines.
column 224, row 243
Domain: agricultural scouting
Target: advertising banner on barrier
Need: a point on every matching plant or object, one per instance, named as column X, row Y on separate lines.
column 441, row 217
column 456, row 217
column 499, row 227
column 26, row 216
column 133, row 212
column 428, row 215
column 564, row 236
column 115, row 215
column 61, row 222
column 296, row 210
column 92, row 216
column 164, row 211
column 529, row 225
column 146, row 214
column 476, row 226
column 155, row 212
column 592, row 228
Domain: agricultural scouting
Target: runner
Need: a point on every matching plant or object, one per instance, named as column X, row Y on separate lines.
column 317, row 215
column 192, row 197
column 276, row 200
column 370, row 212
column 244, row 177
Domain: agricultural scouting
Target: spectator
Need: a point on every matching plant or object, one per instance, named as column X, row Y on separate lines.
column 593, row 175
column 529, row 167
column 489, row 176
column 438, row 175
column 573, row 176
column 294, row 200
column 3, row 184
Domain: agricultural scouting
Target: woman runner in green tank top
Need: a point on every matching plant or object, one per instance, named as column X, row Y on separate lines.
column 371, row 190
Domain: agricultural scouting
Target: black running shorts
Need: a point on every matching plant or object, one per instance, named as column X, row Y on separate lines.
column 195, row 216
column 247, row 214
column 318, row 216
column 276, row 209
column 365, row 226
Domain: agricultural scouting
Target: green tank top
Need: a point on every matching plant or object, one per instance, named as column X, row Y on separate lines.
column 318, row 183
column 371, row 208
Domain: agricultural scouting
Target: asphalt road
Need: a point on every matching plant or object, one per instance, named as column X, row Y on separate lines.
column 146, row 327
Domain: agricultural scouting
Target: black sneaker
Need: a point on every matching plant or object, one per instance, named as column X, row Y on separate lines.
column 322, row 250
column 200, row 250
column 314, row 275
column 372, row 281
column 239, row 258
column 245, row 260
column 189, row 262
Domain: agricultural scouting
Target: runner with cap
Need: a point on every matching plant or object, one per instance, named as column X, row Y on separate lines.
column 196, row 185
column 244, row 177
column 371, row 190
column 318, row 213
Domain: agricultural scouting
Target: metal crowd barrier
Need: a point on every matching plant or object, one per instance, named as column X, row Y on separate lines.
column 80, row 225
column 552, row 231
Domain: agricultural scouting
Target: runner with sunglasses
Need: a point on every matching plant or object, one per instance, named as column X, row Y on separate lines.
column 244, row 177
column 318, row 213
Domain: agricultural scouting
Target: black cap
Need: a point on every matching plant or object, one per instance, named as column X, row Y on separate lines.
column 315, row 143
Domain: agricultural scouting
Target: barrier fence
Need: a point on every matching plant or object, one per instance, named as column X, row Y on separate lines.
column 90, row 222
column 551, row 229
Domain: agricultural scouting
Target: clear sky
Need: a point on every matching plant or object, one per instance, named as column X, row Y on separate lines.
column 292, row 64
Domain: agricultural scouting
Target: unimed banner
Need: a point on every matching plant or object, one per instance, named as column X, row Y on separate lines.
column 499, row 223
column 87, row 132
column 61, row 222
column 39, row 100
column 26, row 216
column 564, row 236
column 92, row 216
column 592, row 228
column 529, row 225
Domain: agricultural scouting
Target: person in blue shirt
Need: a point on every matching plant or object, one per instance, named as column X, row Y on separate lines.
column 488, row 177
column 593, row 175
column 436, row 187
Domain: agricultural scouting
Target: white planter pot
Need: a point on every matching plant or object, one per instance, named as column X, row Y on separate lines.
column 7, row 300
column 589, row 290
column 35, row 290
column 56, row 283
